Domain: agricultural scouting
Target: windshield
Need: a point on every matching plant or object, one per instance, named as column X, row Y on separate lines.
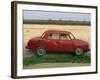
column 43, row 35
column 71, row 36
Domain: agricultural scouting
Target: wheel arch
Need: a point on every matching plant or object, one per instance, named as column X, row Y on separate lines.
column 41, row 43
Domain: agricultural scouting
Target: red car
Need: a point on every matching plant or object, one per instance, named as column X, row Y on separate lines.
column 57, row 40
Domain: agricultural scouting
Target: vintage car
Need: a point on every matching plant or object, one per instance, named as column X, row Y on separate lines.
column 57, row 40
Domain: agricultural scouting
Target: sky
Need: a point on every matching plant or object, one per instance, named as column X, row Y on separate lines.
column 51, row 15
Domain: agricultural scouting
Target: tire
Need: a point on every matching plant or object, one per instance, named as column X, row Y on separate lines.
column 79, row 51
column 40, row 51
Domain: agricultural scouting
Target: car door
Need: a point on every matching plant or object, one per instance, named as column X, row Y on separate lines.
column 65, row 43
column 51, row 42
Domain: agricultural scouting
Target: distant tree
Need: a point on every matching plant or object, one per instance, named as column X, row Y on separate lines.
column 50, row 19
column 60, row 19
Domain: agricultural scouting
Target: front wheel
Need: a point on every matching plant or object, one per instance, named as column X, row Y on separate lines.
column 41, row 51
column 79, row 51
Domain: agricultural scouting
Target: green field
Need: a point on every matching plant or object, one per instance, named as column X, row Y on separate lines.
column 54, row 57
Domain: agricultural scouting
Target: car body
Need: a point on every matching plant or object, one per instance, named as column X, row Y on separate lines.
column 57, row 40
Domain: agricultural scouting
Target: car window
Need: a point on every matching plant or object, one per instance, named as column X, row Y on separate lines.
column 53, row 36
column 64, row 37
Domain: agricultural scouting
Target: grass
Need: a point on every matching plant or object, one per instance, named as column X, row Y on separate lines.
column 54, row 57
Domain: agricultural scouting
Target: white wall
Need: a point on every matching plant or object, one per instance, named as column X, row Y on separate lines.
column 5, row 41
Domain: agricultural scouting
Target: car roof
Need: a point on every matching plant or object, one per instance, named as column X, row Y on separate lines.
column 57, row 31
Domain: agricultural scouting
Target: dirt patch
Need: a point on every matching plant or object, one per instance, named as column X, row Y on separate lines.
column 34, row 30
column 54, row 65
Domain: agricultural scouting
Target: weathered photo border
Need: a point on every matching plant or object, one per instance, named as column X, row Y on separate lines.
column 14, row 36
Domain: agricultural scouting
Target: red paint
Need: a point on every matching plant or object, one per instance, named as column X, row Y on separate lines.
column 57, row 40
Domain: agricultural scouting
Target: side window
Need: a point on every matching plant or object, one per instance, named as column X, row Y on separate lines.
column 64, row 37
column 53, row 36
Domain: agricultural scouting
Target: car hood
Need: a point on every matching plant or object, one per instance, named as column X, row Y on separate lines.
column 34, row 40
column 80, row 42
